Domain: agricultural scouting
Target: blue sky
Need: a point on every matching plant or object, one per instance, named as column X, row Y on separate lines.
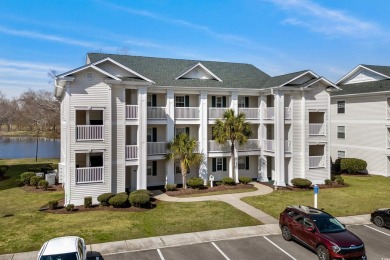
column 329, row 37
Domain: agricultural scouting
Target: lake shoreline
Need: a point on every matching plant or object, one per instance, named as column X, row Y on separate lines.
column 49, row 135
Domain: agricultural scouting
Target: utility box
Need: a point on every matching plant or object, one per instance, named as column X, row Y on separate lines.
column 51, row 178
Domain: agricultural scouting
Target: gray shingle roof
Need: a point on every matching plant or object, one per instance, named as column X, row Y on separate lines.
column 385, row 70
column 163, row 71
column 279, row 80
column 364, row 87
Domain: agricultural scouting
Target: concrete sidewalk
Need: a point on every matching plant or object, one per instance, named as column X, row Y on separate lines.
column 232, row 199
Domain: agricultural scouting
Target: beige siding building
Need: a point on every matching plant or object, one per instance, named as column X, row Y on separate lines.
column 360, row 125
column 118, row 112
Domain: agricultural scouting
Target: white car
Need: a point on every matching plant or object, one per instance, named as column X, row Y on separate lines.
column 63, row 248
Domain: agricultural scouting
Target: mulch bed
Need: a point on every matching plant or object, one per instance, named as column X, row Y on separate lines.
column 57, row 187
column 189, row 191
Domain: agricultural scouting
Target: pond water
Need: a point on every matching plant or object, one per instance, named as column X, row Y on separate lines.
column 25, row 147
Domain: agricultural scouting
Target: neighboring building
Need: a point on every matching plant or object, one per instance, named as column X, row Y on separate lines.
column 360, row 118
column 118, row 112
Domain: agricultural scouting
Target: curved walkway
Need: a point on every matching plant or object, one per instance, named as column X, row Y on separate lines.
column 233, row 199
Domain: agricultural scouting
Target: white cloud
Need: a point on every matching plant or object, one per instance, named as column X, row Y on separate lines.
column 325, row 20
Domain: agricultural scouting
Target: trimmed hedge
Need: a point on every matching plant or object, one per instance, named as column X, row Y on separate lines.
column 228, row 181
column 53, row 204
column 142, row 191
column 43, row 184
column 139, row 198
column 195, row 183
column 301, row 183
column 34, row 181
column 87, row 202
column 170, row 187
column 120, row 200
column 244, row 180
column 26, row 176
column 104, row 198
column 350, row 165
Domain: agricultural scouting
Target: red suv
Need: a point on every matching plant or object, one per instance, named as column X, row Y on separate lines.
column 321, row 232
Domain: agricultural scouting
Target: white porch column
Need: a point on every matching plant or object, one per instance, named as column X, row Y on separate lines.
column 279, row 138
column 234, row 101
column 170, row 172
column 142, row 138
column 262, row 160
column 203, row 139
column 233, row 169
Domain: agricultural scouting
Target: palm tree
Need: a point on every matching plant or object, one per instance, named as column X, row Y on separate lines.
column 234, row 129
column 184, row 148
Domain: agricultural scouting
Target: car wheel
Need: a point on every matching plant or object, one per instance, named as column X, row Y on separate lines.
column 378, row 220
column 286, row 233
column 322, row 253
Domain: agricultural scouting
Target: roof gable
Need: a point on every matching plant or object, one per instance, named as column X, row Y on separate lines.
column 198, row 71
column 89, row 66
column 365, row 73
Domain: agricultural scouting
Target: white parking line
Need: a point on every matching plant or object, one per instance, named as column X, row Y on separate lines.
column 281, row 249
column 384, row 233
column 160, row 254
column 222, row 253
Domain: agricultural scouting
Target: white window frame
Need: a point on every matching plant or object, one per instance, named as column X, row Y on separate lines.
column 218, row 101
column 149, row 100
column 181, row 102
column 241, row 163
column 339, row 132
column 149, row 132
column 340, row 107
column 338, row 154
column 149, row 168
column 241, row 102
column 219, row 165
column 180, row 130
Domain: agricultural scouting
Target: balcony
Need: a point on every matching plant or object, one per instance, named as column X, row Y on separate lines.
column 269, row 145
column 269, row 113
column 131, row 152
column 215, row 113
column 89, row 133
column 131, row 111
column 287, row 147
column 186, row 112
column 317, row 129
column 213, row 146
column 156, row 148
column 316, row 161
column 250, row 113
column 89, row 175
column 250, row 145
column 287, row 113
column 156, row 113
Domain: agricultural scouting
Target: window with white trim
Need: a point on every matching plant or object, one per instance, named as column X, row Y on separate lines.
column 149, row 101
column 180, row 101
column 340, row 154
column 149, row 134
column 218, row 102
column 341, row 132
column 180, row 130
column 242, row 102
column 242, row 163
column 149, row 168
column 219, row 164
column 340, row 107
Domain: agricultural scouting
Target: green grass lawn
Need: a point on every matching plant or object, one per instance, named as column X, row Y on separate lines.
column 27, row 229
column 363, row 195
column 219, row 192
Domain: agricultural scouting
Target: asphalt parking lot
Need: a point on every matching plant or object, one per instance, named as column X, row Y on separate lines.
column 377, row 242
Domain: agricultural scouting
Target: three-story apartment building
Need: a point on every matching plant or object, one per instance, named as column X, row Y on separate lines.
column 360, row 114
column 118, row 112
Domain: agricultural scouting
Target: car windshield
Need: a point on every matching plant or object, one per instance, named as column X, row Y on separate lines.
column 328, row 225
column 67, row 256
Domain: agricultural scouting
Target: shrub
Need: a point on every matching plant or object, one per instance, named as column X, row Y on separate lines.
column 3, row 170
column 69, row 207
column 87, row 202
column 195, row 183
column 104, row 198
column 43, row 184
column 34, row 169
column 53, row 204
column 301, row 183
column 46, row 169
column 333, row 177
column 328, row 182
column 228, row 181
column 142, row 191
column 340, row 180
column 25, row 177
column 350, row 165
column 244, row 180
column 120, row 200
column 170, row 187
column 139, row 199
column 34, row 180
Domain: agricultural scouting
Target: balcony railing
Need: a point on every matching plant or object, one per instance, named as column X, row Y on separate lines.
column 287, row 147
column 89, row 132
column 155, row 148
column 131, row 152
column 131, row 111
column 317, row 129
column 215, row 113
column 316, row 161
column 287, row 113
column 216, row 147
column 187, row 112
column 250, row 113
column 269, row 113
column 89, row 174
column 250, row 145
column 156, row 113
column 269, row 145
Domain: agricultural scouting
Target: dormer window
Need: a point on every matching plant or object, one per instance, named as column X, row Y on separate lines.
column 198, row 71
